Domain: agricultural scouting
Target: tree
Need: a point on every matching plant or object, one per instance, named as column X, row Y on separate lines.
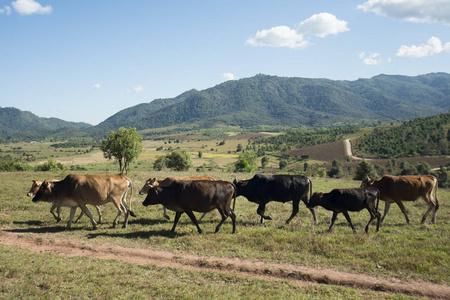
column 264, row 162
column 246, row 162
column 365, row 169
column 179, row 160
column 336, row 169
column 125, row 145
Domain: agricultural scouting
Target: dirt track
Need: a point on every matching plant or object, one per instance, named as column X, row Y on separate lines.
column 294, row 274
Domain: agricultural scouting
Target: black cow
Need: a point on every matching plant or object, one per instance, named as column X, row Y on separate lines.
column 345, row 200
column 199, row 196
column 262, row 189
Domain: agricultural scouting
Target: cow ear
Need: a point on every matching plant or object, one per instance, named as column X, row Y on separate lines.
column 235, row 180
column 244, row 183
column 46, row 185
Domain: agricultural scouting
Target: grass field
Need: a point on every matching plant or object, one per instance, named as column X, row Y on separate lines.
column 407, row 252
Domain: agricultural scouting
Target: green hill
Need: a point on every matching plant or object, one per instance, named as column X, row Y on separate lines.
column 17, row 124
column 295, row 102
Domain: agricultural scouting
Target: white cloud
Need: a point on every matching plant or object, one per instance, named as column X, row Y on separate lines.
column 372, row 59
column 6, row 10
column 433, row 46
column 319, row 25
column 419, row 11
column 280, row 36
column 136, row 89
column 96, row 86
column 228, row 76
column 30, row 7
column 322, row 25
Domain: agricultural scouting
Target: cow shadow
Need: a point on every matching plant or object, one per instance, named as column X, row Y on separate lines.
column 40, row 230
column 138, row 234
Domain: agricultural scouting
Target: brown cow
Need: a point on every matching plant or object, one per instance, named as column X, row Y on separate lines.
column 152, row 182
column 35, row 187
column 78, row 190
column 200, row 196
column 406, row 188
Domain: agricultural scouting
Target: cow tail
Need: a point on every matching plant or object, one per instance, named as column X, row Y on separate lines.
column 378, row 198
column 310, row 189
column 434, row 191
column 234, row 194
column 131, row 195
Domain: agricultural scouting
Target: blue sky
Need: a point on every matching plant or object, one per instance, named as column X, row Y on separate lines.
column 85, row 60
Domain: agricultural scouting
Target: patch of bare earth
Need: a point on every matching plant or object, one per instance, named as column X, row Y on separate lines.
column 294, row 274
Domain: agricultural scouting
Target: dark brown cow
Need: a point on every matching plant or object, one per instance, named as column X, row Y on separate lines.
column 406, row 188
column 345, row 200
column 35, row 187
column 78, row 190
column 152, row 182
column 200, row 196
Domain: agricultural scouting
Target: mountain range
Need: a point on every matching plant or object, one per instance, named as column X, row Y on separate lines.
column 266, row 100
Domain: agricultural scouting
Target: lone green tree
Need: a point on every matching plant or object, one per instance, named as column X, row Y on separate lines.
column 124, row 146
column 179, row 160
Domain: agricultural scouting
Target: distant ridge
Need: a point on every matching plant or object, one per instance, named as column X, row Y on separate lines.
column 261, row 100
column 17, row 124
column 295, row 102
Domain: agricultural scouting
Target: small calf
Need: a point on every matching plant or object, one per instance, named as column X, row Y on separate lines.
column 345, row 200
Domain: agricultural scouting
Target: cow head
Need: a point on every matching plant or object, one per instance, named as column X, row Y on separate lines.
column 44, row 192
column 150, row 183
column 367, row 182
column 315, row 200
column 34, row 188
column 152, row 196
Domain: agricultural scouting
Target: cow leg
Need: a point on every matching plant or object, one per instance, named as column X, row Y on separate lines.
column 372, row 216
column 333, row 219
column 386, row 210
column 378, row 215
column 79, row 217
column 175, row 221
column 294, row 210
column 72, row 214
column 99, row 210
column 58, row 210
column 260, row 211
column 124, row 208
column 430, row 208
column 224, row 217
column 194, row 220
column 348, row 220
column 88, row 213
column 165, row 213
column 402, row 207
column 204, row 214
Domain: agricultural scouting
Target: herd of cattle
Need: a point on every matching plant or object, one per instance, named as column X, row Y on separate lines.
column 204, row 194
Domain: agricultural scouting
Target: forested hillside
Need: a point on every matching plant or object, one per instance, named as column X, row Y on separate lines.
column 420, row 137
column 296, row 102
column 258, row 101
column 17, row 124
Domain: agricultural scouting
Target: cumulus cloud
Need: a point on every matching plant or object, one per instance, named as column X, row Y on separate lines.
column 6, row 10
column 419, row 11
column 319, row 25
column 30, row 7
column 136, row 89
column 96, row 86
column 228, row 76
column 371, row 59
column 322, row 25
column 433, row 46
column 280, row 36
